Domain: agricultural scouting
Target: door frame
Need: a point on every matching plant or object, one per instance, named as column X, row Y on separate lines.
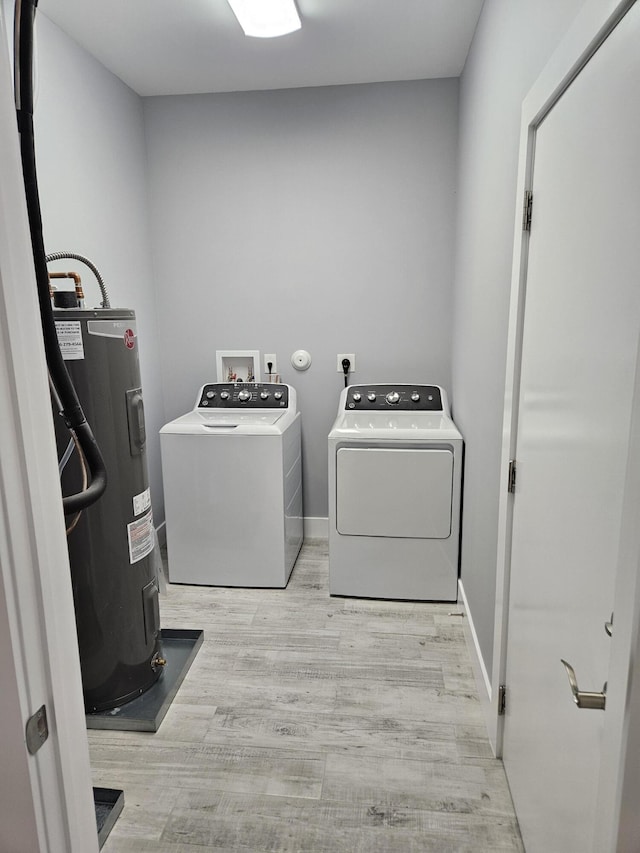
column 619, row 783
column 46, row 800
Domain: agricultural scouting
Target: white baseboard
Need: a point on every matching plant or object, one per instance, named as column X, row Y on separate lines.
column 483, row 682
column 316, row 528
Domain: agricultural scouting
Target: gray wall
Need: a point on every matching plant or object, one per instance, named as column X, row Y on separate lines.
column 511, row 46
column 318, row 219
column 92, row 178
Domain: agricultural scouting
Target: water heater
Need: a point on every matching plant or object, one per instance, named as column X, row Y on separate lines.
column 111, row 545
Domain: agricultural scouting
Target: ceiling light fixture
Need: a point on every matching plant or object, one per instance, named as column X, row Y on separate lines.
column 266, row 18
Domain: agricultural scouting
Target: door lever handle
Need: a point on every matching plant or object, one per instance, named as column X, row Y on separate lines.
column 608, row 626
column 584, row 698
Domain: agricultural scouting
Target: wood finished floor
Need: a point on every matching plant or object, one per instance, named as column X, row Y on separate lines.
column 310, row 723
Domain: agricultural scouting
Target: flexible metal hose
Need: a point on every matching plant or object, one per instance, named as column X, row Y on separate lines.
column 60, row 256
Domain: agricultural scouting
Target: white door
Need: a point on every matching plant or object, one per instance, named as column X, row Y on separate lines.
column 579, row 347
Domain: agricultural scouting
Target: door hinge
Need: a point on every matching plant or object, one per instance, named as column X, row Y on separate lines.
column 526, row 210
column 502, row 699
column 511, row 483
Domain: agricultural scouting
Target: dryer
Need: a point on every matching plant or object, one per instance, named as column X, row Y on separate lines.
column 232, row 473
column 395, row 484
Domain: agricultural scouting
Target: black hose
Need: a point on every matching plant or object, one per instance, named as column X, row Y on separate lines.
column 72, row 411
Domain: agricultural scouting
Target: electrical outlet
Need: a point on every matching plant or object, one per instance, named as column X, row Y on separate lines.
column 270, row 358
column 352, row 361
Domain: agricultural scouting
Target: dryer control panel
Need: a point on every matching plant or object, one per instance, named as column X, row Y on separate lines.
column 243, row 395
column 407, row 398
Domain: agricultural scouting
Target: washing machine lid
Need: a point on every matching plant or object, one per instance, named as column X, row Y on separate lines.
column 230, row 423
column 239, row 419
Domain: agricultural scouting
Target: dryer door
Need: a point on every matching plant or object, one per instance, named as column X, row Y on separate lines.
column 394, row 492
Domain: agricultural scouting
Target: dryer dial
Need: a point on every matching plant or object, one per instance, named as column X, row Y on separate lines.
column 264, row 395
column 415, row 397
column 278, row 395
column 224, row 395
column 371, row 397
column 393, row 397
column 244, row 395
column 357, row 397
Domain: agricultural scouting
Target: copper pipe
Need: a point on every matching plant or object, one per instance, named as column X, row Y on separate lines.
column 76, row 278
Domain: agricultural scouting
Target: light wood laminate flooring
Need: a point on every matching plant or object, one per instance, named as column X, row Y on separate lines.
column 311, row 723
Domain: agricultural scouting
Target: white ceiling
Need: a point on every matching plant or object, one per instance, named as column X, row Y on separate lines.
column 162, row 47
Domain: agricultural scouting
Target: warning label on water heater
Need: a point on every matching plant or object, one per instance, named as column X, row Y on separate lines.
column 141, row 501
column 141, row 537
column 70, row 339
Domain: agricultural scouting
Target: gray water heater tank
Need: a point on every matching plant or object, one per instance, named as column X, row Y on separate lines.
column 111, row 548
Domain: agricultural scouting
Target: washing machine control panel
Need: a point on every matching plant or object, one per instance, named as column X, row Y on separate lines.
column 407, row 398
column 243, row 395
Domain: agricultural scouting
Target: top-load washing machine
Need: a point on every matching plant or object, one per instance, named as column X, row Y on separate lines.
column 233, row 486
column 395, row 481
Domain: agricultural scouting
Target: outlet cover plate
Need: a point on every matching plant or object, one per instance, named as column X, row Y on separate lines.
column 352, row 359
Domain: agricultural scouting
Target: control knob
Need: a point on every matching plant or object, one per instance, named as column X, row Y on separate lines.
column 393, row 397
column 357, row 396
column 244, row 395
column 278, row 395
column 415, row 396
column 264, row 395
column 224, row 395
column 211, row 394
column 371, row 397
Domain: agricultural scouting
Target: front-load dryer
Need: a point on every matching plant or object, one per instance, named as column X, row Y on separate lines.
column 233, row 487
column 395, row 481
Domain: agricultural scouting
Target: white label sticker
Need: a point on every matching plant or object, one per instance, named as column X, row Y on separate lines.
column 141, row 502
column 70, row 339
column 141, row 538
